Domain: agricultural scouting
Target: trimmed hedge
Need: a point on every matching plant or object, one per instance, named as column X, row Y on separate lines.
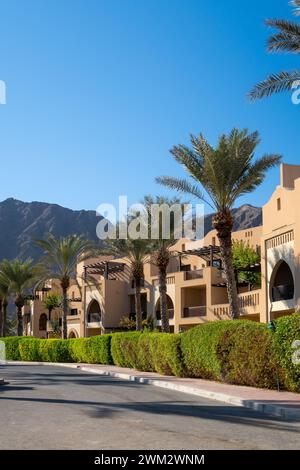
column 237, row 352
column 152, row 352
column 286, row 333
column 247, row 355
column 199, row 349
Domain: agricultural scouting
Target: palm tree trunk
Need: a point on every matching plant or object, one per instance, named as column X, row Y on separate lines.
column 226, row 255
column 223, row 223
column 138, row 304
column 20, row 320
column 164, row 314
column 1, row 319
column 4, row 307
column 65, row 313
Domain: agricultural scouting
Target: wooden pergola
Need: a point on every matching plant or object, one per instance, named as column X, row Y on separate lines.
column 210, row 254
column 103, row 268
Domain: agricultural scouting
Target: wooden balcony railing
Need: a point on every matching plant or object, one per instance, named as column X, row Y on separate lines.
column 196, row 311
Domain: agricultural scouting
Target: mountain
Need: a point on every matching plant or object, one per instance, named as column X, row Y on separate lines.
column 20, row 222
column 245, row 217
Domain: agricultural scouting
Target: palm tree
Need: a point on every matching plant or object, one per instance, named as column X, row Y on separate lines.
column 162, row 252
column 226, row 173
column 286, row 39
column 137, row 252
column 4, row 294
column 61, row 256
column 20, row 276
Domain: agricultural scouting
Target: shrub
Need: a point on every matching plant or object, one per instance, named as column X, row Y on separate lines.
column 166, row 357
column 12, row 347
column 287, row 331
column 54, row 350
column 124, row 349
column 199, row 349
column 29, row 349
column 246, row 355
column 94, row 350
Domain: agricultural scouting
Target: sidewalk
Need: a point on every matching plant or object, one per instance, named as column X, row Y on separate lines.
column 283, row 404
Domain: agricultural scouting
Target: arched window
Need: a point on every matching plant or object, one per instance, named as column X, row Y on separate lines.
column 94, row 312
column 43, row 322
column 170, row 307
column 282, row 285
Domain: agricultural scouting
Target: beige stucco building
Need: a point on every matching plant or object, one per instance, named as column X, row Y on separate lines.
column 195, row 283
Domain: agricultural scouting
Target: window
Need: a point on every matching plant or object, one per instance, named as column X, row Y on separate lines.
column 43, row 322
column 73, row 311
column 213, row 241
column 279, row 204
column 183, row 247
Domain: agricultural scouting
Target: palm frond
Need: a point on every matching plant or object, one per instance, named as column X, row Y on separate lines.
column 276, row 83
column 183, row 186
column 288, row 38
column 296, row 4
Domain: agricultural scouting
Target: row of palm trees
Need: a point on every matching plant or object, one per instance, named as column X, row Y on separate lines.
column 218, row 176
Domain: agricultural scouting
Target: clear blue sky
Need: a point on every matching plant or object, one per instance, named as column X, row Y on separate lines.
column 99, row 90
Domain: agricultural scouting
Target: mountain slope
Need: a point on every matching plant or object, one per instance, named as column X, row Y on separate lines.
column 20, row 222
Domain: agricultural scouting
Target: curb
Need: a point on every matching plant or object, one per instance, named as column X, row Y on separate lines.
column 266, row 408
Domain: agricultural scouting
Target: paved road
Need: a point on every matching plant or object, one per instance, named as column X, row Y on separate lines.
column 47, row 407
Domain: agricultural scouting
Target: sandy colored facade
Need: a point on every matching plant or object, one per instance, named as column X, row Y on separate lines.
column 195, row 282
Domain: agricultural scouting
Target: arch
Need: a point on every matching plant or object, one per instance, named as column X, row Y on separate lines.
column 94, row 311
column 72, row 334
column 170, row 307
column 282, row 282
column 43, row 322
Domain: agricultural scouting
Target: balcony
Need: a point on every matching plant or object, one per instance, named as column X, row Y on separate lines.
column 196, row 311
column 249, row 303
column 195, row 274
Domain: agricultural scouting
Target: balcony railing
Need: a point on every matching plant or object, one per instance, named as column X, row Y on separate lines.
column 196, row 311
column 195, row 274
column 170, row 312
column 284, row 292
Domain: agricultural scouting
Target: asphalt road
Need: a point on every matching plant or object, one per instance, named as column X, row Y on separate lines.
column 46, row 407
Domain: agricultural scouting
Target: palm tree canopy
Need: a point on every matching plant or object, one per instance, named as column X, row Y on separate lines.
column 61, row 255
column 225, row 172
column 4, row 285
column 286, row 39
column 18, row 276
column 135, row 250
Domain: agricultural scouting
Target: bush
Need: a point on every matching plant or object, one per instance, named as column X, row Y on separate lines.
column 29, row 349
column 124, row 349
column 12, row 347
column 199, row 349
column 287, row 331
column 166, row 357
column 152, row 352
column 54, row 350
column 246, row 355
column 94, row 350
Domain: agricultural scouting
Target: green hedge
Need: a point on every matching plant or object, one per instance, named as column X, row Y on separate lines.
column 153, row 352
column 238, row 352
column 246, row 355
column 286, row 333
column 199, row 349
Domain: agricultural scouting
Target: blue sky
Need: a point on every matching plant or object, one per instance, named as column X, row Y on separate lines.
column 98, row 91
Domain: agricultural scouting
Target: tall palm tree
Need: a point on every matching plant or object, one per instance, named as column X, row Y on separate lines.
column 286, row 39
column 4, row 295
column 161, row 252
column 137, row 252
column 20, row 276
column 61, row 256
column 226, row 173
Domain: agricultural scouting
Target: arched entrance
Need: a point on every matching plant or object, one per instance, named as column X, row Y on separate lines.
column 282, row 283
column 72, row 334
column 94, row 312
column 170, row 307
